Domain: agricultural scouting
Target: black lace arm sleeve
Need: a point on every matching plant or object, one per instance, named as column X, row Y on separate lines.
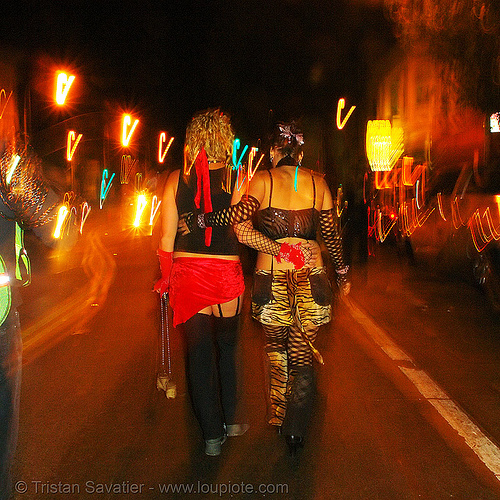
column 249, row 236
column 332, row 240
column 241, row 211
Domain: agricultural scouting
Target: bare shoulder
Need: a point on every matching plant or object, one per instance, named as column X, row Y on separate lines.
column 171, row 184
column 174, row 177
column 324, row 193
column 318, row 176
column 257, row 186
column 260, row 176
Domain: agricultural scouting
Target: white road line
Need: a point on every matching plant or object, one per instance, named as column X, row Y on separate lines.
column 487, row 451
column 377, row 334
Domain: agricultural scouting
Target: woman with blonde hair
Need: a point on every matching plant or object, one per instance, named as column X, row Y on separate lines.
column 202, row 273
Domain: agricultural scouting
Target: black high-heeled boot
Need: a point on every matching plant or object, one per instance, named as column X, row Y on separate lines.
column 294, row 443
column 299, row 407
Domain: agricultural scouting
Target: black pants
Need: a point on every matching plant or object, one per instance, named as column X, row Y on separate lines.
column 211, row 370
column 10, row 384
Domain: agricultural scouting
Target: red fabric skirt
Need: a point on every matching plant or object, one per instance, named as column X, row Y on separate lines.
column 196, row 283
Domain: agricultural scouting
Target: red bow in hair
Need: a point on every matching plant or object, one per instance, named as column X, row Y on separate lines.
column 203, row 185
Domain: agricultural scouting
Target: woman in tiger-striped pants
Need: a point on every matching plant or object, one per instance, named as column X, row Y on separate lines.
column 292, row 295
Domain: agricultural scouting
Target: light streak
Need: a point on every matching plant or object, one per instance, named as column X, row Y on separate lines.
column 383, row 183
column 236, row 146
column 455, row 214
column 416, row 194
column 338, row 201
column 62, row 213
column 2, row 92
column 250, row 170
column 15, row 162
column 251, row 156
column 383, row 232
column 126, row 133
column 71, row 146
column 155, row 205
column 141, row 205
column 105, row 187
column 138, row 181
column 85, row 213
column 126, row 166
column 4, row 279
column 62, row 87
column 68, row 198
column 486, row 235
column 440, row 206
column 187, row 170
column 416, row 218
column 162, row 140
column 340, row 107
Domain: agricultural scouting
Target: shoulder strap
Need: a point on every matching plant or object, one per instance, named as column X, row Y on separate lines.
column 314, row 190
column 271, row 189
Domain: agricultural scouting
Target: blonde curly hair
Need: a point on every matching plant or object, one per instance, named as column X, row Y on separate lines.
column 211, row 130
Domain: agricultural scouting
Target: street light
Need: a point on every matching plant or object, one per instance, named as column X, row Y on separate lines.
column 63, row 84
column 127, row 129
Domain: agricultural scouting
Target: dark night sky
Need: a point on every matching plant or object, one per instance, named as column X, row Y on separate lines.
column 171, row 58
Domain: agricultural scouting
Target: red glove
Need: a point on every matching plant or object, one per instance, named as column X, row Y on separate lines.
column 166, row 259
column 292, row 254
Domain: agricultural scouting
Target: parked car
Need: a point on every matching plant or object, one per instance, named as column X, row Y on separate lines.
column 459, row 229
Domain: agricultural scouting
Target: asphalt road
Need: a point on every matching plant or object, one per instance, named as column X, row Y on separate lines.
column 407, row 405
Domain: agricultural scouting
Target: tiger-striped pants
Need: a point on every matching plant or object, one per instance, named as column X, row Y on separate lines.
column 290, row 320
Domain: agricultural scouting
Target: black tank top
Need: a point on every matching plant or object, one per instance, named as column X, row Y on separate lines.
column 224, row 241
column 277, row 223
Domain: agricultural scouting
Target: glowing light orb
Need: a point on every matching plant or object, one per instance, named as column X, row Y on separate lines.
column 63, row 85
column 126, row 132
column 384, row 144
column 141, row 205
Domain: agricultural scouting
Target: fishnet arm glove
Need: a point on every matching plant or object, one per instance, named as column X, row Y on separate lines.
column 333, row 243
column 249, row 236
column 284, row 252
column 242, row 211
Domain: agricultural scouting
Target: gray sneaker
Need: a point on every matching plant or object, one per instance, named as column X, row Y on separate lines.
column 233, row 430
column 213, row 446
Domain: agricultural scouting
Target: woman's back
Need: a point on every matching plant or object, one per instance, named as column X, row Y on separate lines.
column 279, row 189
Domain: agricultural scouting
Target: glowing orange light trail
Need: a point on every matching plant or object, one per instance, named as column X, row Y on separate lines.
column 62, row 213
column 7, row 99
column 141, row 205
column 72, row 143
column 62, row 87
column 455, row 214
column 440, row 206
column 162, row 140
column 340, row 107
column 475, row 222
column 126, row 133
